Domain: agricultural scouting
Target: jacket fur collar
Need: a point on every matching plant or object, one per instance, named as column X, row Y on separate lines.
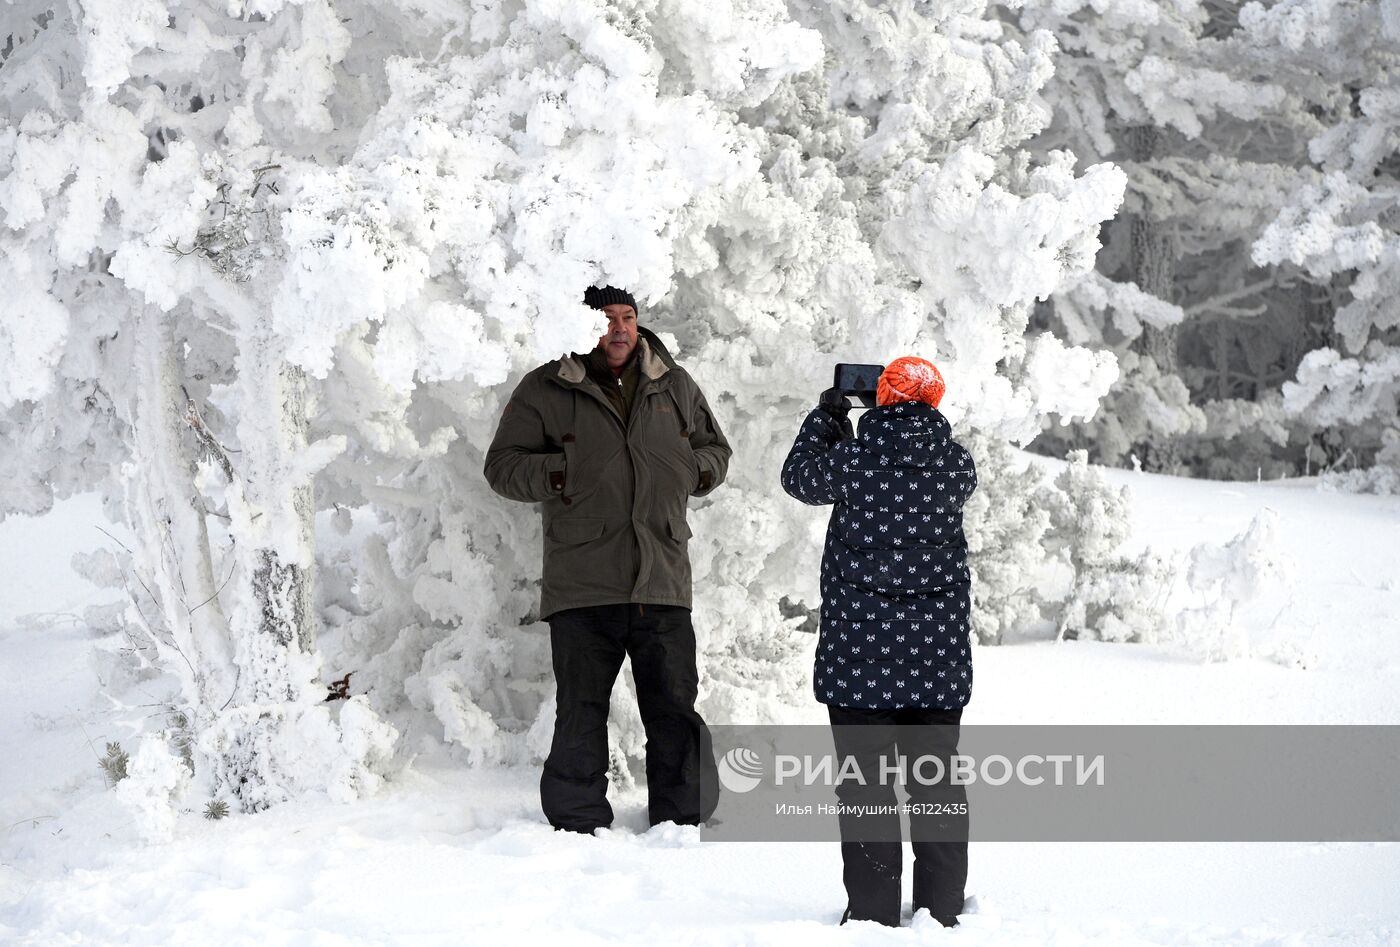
column 652, row 358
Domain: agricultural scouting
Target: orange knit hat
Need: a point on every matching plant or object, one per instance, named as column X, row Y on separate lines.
column 910, row 379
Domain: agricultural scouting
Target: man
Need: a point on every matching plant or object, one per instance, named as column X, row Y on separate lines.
column 611, row 444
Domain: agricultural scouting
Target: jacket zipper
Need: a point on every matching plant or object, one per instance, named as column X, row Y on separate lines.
column 602, row 399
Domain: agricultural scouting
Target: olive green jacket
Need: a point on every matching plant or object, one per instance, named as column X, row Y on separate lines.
column 612, row 491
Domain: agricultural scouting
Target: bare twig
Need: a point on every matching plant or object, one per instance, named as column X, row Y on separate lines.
column 237, row 676
column 211, row 598
column 127, row 588
column 168, row 546
column 1221, row 301
column 35, row 819
column 174, row 247
column 258, row 182
column 95, row 755
column 150, row 629
column 206, row 438
column 114, row 539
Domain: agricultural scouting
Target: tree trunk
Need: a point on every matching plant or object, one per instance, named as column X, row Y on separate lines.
column 169, row 519
column 256, row 750
column 1153, row 255
column 1326, row 446
column 283, row 570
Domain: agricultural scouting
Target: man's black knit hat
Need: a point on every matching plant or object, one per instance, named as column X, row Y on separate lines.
column 597, row 297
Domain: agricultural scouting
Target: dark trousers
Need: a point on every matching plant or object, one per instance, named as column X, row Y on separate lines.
column 588, row 647
column 871, row 845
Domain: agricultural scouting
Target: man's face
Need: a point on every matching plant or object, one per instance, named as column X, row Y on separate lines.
column 621, row 338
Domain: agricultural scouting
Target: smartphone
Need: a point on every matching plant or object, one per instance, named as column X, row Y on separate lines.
column 858, row 381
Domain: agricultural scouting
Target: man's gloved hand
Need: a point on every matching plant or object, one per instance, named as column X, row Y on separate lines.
column 835, row 404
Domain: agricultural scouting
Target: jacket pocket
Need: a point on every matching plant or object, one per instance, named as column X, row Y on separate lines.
column 679, row 529
column 582, row 463
column 576, row 529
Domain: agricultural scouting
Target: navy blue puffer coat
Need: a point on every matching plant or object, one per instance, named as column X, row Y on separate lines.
column 894, row 581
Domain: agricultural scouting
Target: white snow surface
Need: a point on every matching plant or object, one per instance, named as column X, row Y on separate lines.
column 446, row 853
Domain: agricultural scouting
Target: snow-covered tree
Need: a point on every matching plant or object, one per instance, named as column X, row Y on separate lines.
column 147, row 135
column 1338, row 224
column 287, row 258
column 1203, row 332
column 856, row 195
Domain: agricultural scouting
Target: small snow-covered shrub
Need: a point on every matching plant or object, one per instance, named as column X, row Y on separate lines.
column 181, row 735
column 1383, row 478
column 1239, row 586
column 157, row 779
column 1112, row 597
column 1121, row 599
column 266, row 754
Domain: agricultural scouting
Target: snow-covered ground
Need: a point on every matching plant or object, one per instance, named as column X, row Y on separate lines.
column 449, row 855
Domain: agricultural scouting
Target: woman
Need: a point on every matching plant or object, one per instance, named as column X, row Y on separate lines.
column 893, row 662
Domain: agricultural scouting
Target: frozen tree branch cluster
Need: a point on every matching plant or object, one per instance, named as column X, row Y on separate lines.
column 1249, row 286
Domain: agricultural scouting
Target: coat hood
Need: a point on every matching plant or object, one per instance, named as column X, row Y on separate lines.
column 652, row 355
column 656, row 346
column 907, row 434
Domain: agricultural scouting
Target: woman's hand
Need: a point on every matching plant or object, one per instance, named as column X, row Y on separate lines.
column 835, row 404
